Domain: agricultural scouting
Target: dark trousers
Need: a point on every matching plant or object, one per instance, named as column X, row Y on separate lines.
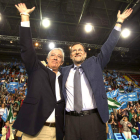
column 89, row 127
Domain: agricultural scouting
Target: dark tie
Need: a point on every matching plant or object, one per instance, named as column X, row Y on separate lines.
column 77, row 91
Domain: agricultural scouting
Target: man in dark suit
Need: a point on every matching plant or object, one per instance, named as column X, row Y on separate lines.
column 86, row 101
column 42, row 113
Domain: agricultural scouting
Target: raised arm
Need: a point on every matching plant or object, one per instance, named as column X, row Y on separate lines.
column 107, row 48
column 27, row 50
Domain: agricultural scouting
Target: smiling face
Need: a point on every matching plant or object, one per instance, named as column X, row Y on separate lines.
column 78, row 54
column 55, row 59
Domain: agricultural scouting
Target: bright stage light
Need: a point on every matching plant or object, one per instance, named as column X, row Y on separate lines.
column 125, row 33
column 88, row 27
column 46, row 22
column 36, row 44
column 51, row 45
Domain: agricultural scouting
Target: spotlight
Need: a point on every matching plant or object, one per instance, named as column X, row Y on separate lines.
column 88, row 27
column 89, row 49
column 46, row 22
column 70, row 47
column 11, row 41
column 36, row 44
column 51, row 45
column 125, row 33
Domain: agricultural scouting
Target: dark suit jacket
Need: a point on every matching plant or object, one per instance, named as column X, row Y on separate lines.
column 41, row 99
column 92, row 68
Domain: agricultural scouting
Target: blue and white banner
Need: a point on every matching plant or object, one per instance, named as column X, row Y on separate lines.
column 110, row 134
column 5, row 115
column 122, row 98
column 132, row 96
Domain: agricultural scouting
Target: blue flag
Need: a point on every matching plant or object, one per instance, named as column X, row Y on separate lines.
column 5, row 115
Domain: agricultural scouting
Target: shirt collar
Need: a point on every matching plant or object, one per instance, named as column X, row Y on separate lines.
column 80, row 69
column 57, row 74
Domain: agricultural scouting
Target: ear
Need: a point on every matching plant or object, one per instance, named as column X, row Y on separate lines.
column 85, row 55
column 47, row 59
column 62, row 63
column 70, row 56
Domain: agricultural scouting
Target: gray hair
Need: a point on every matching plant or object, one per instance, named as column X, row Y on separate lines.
column 63, row 55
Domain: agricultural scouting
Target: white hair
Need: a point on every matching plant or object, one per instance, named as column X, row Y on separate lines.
column 63, row 55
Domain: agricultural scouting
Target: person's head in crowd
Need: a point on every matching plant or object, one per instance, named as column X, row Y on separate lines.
column 138, row 111
column 7, row 123
column 132, row 111
column 16, row 104
column 136, row 107
column 55, row 59
column 112, row 117
column 2, row 105
column 131, row 107
column 119, row 111
column 14, row 114
column 12, row 101
column 135, row 116
column 138, row 118
column 115, row 98
column 125, row 119
column 112, row 113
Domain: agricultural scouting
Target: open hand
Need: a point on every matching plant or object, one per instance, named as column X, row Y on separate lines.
column 23, row 9
column 124, row 15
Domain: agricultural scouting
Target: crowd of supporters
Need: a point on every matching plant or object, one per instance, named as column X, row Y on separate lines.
column 126, row 120
column 11, row 97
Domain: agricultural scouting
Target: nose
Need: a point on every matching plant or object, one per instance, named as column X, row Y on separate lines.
column 55, row 57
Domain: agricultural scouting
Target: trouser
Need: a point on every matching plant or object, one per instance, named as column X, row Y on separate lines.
column 46, row 133
column 88, row 127
column 127, row 134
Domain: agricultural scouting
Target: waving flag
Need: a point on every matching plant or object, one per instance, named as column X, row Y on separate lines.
column 5, row 115
column 113, row 104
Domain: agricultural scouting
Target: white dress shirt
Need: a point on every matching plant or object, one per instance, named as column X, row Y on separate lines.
column 57, row 88
column 87, row 94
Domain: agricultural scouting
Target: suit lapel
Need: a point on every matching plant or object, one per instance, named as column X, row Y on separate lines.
column 52, row 77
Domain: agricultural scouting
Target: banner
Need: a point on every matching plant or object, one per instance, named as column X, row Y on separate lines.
column 132, row 96
column 114, row 93
column 110, row 134
column 108, row 95
column 123, row 106
column 5, row 115
column 122, row 98
column 113, row 104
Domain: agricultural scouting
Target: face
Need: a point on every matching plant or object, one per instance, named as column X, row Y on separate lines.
column 125, row 119
column 112, row 116
column 135, row 116
column 7, row 123
column 15, row 114
column 55, row 59
column 2, row 105
column 78, row 54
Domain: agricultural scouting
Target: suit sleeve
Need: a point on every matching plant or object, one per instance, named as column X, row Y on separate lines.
column 28, row 54
column 107, row 48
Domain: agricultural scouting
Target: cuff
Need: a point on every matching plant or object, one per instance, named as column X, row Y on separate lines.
column 25, row 24
column 117, row 28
